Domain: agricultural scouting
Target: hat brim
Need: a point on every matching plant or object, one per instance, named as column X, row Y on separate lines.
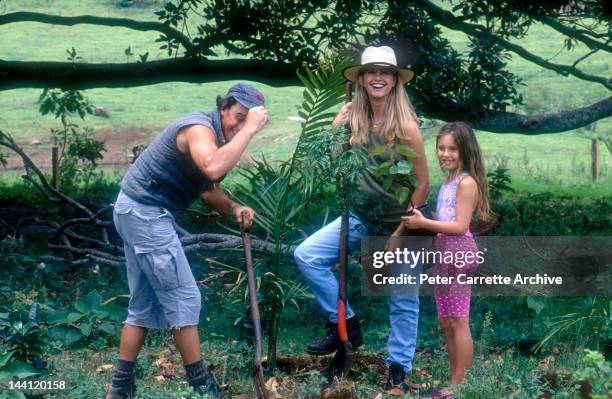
column 352, row 72
column 247, row 103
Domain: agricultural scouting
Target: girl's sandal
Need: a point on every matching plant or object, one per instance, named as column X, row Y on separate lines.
column 442, row 394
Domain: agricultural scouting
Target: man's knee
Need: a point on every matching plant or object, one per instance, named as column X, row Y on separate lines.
column 181, row 306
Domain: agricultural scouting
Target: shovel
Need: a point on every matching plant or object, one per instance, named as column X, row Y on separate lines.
column 344, row 358
column 258, row 378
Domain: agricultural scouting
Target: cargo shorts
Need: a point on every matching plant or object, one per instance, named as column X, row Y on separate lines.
column 163, row 290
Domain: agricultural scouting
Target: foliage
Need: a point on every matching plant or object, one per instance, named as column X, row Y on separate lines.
column 598, row 372
column 64, row 104
column 280, row 193
column 396, row 170
column 452, row 81
column 88, row 318
column 548, row 215
column 499, row 182
column 24, row 339
column 76, row 145
column 589, row 318
column 11, row 369
column 508, row 376
column 23, row 346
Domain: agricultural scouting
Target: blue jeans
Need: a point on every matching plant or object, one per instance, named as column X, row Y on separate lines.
column 315, row 257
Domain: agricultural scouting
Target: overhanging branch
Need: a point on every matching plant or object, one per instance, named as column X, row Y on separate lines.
column 450, row 21
column 79, row 76
column 509, row 122
column 575, row 34
column 100, row 21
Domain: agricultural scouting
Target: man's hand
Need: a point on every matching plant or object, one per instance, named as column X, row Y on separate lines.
column 342, row 117
column 249, row 217
column 256, row 119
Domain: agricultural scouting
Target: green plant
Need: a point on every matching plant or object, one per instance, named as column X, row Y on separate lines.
column 499, row 182
column 501, row 376
column 280, row 193
column 72, row 55
column 76, row 145
column 590, row 320
column 597, row 371
column 25, row 339
column 87, row 318
column 11, row 369
column 397, row 170
column 485, row 334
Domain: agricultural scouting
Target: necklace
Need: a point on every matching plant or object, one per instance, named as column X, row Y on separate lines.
column 377, row 123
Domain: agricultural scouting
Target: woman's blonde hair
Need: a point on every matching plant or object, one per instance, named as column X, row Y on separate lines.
column 399, row 114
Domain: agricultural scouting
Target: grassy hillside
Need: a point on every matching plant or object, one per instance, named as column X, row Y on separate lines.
column 559, row 162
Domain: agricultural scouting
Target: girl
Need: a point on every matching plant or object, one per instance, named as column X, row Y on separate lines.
column 380, row 113
column 463, row 193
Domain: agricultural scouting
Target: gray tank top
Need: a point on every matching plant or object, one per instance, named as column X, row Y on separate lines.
column 162, row 175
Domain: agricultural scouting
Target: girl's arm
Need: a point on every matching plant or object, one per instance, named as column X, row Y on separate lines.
column 419, row 164
column 467, row 195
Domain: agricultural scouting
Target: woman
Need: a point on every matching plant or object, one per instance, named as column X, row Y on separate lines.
column 381, row 113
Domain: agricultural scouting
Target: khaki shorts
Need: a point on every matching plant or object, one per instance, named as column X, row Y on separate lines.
column 163, row 290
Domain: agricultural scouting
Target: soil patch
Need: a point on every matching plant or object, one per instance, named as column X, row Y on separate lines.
column 118, row 143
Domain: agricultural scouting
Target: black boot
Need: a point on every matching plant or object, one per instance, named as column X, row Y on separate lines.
column 396, row 381
column 122, row 385
column 201, row 380
column 331, row 342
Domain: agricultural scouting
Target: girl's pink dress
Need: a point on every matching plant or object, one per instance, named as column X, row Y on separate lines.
column 452, row 300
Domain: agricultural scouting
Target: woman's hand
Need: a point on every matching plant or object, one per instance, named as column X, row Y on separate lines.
column 415, row 221
column 342, row 116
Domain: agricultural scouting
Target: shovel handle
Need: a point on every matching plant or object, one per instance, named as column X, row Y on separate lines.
column 343, row 264
column 252, row 286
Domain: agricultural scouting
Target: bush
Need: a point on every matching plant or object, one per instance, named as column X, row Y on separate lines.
column 548, row 215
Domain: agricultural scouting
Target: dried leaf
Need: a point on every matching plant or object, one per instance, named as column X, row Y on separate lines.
column 160, row 379
column 546, row 363
column 271, row 387
column 160, row 361
column 104, row 367
column 379, row 396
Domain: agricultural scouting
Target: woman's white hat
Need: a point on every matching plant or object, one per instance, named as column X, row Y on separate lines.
column 382, row 56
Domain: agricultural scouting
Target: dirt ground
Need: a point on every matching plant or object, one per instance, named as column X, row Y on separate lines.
column 118, row 144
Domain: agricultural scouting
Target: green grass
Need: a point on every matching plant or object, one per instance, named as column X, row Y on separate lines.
column 557, row 162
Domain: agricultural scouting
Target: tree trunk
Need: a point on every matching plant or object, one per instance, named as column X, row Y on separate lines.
column 595, row 159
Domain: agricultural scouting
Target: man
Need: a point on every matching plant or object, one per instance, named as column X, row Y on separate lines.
column 184, row 162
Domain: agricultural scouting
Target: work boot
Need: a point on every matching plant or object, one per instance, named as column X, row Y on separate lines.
column 122, row 384
column 396, row 380
column 201, row 380
column 331, row 342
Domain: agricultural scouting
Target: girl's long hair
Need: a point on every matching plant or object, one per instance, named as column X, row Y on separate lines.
column 470, row 160
column 399, row 112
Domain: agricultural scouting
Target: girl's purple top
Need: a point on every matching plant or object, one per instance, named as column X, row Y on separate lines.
column 447, row 201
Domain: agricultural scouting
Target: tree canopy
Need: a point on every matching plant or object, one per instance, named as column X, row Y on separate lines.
column 268, row 40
